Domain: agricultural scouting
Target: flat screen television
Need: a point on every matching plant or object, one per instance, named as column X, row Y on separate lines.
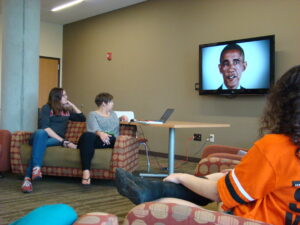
column 244, row 66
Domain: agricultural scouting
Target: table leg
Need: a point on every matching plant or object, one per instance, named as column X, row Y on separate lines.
column 171, row 156
column 171, row 149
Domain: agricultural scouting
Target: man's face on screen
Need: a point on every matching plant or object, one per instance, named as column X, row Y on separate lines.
column 232, row 66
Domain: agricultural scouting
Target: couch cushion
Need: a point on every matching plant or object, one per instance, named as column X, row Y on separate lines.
column 75, row 130
column 66, row 157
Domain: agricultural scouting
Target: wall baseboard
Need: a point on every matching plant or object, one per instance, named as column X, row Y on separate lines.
column 166, row 155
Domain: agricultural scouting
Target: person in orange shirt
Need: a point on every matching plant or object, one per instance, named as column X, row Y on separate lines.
column 265, row 186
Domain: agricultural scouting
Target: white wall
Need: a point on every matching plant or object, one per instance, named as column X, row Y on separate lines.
column 51, row 40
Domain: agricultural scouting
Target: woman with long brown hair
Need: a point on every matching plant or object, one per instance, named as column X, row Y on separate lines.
column 265, row 186
column 52, row 126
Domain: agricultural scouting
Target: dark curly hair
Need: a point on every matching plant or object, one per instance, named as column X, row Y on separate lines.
column 282, row 114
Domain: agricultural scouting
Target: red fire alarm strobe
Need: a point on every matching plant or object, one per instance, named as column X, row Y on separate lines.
column 109, row 56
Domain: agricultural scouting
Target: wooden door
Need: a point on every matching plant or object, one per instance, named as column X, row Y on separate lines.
column 48, row 77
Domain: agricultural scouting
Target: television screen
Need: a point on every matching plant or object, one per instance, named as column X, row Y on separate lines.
column 243, row 66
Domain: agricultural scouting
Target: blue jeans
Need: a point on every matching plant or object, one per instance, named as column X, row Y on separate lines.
column 40, row 140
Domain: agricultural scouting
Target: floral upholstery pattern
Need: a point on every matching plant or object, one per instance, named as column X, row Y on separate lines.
column 214, row 164
column 175, row 214
column 215, row 158
column 124, row 153
column 97, row 218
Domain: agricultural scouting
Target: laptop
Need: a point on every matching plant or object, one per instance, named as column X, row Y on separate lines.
column 162, row 120
column 129, row 114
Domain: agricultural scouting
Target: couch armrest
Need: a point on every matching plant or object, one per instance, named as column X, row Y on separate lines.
column 176, row 214
column 97, row 218
column 5, row 138
column 125, row 153
column 211, row 149
column 17, row 139
column 226, row 156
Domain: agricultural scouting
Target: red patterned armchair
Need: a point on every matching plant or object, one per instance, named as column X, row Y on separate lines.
column 176, row 214
column 216, row 158
column 60, row 161
column 5, row 137
column 152, row 213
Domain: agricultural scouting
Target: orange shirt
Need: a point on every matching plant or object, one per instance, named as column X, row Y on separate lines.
column 265, row 186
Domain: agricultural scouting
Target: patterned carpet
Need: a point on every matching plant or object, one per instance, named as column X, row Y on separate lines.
column 101, row 196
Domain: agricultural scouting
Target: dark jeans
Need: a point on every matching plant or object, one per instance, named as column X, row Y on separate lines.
column 87, row 144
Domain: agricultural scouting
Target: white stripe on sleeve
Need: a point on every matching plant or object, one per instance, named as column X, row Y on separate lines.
column 242, row 190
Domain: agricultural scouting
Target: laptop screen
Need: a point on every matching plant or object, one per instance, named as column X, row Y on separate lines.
column 166, row 115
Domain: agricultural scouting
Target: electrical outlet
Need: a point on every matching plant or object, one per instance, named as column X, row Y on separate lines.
column 197, row 137
column 211, row 138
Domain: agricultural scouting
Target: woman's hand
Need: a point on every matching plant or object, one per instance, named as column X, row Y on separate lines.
column 104, row 137
column 70, row 104
column 68, row 144
column 74, row 107
column 174, row 178
column 124, row 118
column 71, row 145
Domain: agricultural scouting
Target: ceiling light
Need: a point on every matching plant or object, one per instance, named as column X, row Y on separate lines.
column 66, row 5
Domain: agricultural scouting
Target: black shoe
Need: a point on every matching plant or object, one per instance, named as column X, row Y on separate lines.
column 127, row 187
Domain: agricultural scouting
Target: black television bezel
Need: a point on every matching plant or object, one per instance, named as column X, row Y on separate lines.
column 257, row 91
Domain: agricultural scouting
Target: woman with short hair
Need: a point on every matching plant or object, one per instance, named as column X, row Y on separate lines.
column 102, row 131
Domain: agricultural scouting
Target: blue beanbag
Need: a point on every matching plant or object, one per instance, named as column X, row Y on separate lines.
column 57, row 214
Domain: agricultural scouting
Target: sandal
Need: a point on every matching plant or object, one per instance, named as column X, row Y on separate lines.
column 66, row 144
column 87, row 180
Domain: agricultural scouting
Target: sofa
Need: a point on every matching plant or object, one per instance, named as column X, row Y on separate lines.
column 61, row 161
